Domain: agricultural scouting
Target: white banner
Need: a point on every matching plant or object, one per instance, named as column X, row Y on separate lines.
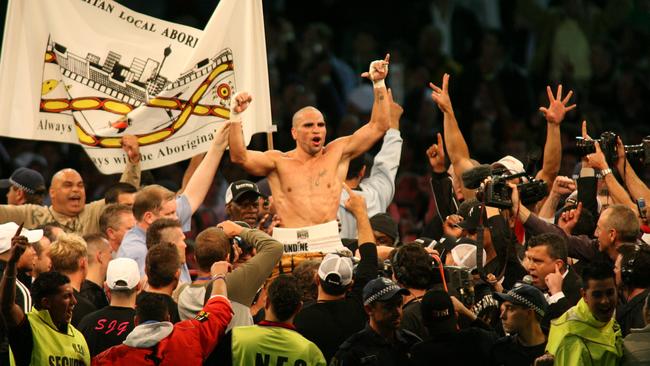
column 90, row 71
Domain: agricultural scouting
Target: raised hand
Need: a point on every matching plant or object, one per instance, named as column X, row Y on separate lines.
column 220, row 268
column 378, row 70
column 441, row 95
column 514, row 197
column 620, row 152
column 396, row 111
column 494, row 282
column 585, row 136
column 569, row 219
column 356, row 203
column 450, row 226
column 275, row 221
column 563, row 185
column 436, row 155
column 230, row 228
column 19, row 245
column 221, row 135
column 597, row 160
column 557, row 106
column 554, row 280
column 131, row 146
column 241, row 101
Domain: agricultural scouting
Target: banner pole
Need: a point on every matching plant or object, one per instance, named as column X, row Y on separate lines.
column 269, row 136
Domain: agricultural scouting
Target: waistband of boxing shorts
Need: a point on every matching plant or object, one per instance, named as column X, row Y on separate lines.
column 323, row 238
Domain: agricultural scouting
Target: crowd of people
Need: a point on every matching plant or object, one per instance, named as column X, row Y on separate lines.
column 318, row 253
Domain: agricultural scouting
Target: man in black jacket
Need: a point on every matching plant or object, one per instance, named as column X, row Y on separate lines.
column 522, row 309
column 546, row 263
column 381, row 342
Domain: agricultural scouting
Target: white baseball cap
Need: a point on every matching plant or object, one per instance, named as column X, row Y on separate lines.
column 336, row 270
column 8, row 230
column 122, row 274
column 512, row 164
column 464, row 255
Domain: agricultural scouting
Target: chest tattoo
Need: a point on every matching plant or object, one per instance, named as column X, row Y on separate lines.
column 321, row 174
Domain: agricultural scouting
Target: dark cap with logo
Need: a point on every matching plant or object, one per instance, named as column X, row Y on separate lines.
column 28, row 180
column 237, row 189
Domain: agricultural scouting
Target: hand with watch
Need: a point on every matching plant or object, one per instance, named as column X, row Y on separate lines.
column 220, row 269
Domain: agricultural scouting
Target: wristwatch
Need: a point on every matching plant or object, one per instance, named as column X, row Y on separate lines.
column 604, row 172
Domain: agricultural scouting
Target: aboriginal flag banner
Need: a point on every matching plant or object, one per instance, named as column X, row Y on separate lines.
column 90, row 71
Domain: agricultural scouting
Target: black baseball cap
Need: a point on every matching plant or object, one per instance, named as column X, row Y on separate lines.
column 28, row 180
column 384, row 223
column 237, row 189
column 438, row 312
column 472, row 216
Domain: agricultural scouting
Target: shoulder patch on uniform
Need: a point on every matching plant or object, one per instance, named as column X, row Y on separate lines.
column 202, row 316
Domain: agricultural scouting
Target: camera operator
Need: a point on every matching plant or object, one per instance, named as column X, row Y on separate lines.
column 598, row 161
column 498, row 242
column 215, row 244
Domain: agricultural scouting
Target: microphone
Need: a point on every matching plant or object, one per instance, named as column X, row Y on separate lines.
column 528, row 279
column 473, row 178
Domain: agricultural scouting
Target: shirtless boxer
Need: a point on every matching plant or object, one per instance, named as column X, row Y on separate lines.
column 306, row 182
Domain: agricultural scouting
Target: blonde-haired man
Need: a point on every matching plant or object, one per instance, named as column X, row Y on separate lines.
column 69, row 255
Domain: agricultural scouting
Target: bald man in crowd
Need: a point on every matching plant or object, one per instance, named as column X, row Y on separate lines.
column 68, row 196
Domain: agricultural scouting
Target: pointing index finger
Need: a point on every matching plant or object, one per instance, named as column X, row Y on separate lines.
column 20, row 230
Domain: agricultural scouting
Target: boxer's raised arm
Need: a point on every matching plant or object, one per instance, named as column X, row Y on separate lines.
column 254, row 162
column 366, row 136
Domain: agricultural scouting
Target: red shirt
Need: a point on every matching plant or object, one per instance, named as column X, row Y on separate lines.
column 190, row 342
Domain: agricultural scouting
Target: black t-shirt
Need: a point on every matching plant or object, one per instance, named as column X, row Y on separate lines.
column 508, row 351
column 94, row 293
column 412, row 318
column 83, row 308
column 470, row 346
column 106, row 327
column 329, row 323
column 172, row 307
